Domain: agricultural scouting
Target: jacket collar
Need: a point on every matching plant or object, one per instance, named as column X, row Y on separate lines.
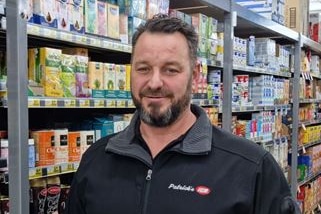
column 197, row 141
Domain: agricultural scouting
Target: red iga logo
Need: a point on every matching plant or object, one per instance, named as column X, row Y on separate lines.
column 202, row 190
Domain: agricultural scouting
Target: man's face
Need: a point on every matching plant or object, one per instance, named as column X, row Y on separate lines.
column 161, row 77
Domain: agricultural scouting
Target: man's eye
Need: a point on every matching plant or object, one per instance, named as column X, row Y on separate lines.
column 171, row 71
column 142, row 70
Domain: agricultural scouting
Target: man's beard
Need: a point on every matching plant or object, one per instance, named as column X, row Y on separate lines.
column 153, row 116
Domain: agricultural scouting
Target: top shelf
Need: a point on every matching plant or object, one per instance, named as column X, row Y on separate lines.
column 79, row 39
column 249, row 22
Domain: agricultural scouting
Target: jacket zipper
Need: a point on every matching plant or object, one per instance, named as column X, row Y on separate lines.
column 147, row 188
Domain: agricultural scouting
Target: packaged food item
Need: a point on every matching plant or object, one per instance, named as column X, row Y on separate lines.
column 38, row 195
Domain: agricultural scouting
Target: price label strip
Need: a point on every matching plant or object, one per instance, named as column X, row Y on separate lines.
column 84, row 103
column 51, row 103
column 121, row 103
column 70, row 103
column 98, row 103
column 53, row 170
column 110, row 103
column 34, row 103
column 36, row 172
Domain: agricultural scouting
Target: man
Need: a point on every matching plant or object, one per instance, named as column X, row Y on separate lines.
column 170, row 159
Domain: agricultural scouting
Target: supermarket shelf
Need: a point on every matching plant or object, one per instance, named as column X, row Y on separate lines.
column 205, row 102
column 213, row 8
column 74, row 38
column 251, row 23
column 236, row 109
column 307, row 145
column 58, row 169
column 47, row 102
column 252, row 69
column 308, row 123
column 303, row 101
column 310, row 178
column 312, row 45
column 318, row 76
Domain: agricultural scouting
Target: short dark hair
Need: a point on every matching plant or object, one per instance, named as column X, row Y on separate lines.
column 162, row 23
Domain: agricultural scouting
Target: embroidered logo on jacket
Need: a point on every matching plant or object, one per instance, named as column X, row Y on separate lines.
column 201, row 190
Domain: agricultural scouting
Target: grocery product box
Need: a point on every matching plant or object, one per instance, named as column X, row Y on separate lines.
column 135, row 8
column 102, row 18
column 113, row 21
column 128, row 70
column 76, row 51
column 95, row 79
column 76, row 16
column 103, row 127
column 91, row 16
column 61, row 146
column 151, row 8
column 120, row 80
column 44, row 147
column 62, row 15
column 45, row 13
column 200, row 23
column 74, row 146
column 176, row 13
column 82, row 85
column 50, row 61
column 123, row 28
column 35, row 74
column 109, row 78
column 315, row 26
column 163, row 6
column 68, row 77
column 87, row 138
column 32, row 153
column 133, row 23
column 29, row 11
column 297, row 15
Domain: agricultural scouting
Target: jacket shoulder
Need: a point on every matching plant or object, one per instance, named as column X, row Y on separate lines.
column 238, row 146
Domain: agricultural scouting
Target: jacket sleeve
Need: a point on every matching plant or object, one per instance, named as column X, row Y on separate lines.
column 272, row 191
column 75, row 202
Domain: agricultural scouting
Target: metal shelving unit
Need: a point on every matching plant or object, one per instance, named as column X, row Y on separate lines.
column 17, row 106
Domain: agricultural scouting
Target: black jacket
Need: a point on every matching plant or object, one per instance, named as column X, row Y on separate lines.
column 207, row 171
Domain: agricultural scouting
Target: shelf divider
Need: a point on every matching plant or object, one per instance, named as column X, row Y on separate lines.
column 16, row 39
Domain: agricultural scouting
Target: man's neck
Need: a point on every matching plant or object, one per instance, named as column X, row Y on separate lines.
column 157, row 138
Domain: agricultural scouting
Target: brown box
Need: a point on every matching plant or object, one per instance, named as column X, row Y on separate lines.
column 297, row 15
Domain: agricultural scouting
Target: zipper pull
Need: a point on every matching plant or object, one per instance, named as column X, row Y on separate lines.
column 149, row 175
